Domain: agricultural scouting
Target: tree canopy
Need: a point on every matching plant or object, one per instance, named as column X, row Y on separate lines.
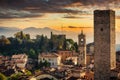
column 21, row 43
column 2, row 77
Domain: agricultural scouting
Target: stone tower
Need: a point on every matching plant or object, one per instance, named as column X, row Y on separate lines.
column 104, row 40
column 82, row 49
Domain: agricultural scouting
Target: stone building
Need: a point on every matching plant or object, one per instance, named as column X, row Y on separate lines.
column 20, row 60
column 89, row 75
column 65, row 54
column 118, row 56
column 58, row 41
column 104, row 43
column 74, row 59
column 82, row 49
column 53, row 58
column 90, row 54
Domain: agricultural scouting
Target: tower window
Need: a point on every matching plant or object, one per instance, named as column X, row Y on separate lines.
column 82, row 40
column 101, row 29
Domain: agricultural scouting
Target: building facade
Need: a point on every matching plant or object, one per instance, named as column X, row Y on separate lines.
column 104, row 43
column 65, row 54
column 53, row 58
column 20, row 60
column 82, row 49
column 118, row 56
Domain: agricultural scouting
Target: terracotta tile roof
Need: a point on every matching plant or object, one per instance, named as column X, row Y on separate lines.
column 20, row 61
column 18, row 55
column 49, row 55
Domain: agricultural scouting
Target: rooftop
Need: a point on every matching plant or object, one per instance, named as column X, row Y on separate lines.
column 48, row 55
column 18, row 55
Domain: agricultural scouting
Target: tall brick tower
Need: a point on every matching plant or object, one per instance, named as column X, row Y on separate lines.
column 82, row 49
column 104, row 39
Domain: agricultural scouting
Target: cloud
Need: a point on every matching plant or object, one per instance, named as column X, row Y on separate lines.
column 95, row 2
column 77, row 27
column 81, row 15
column 33, row 8
column 10, row 13
column 72, row 17
column 49, row 4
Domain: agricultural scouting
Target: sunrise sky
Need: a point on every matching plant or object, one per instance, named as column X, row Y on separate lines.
column 72, row 15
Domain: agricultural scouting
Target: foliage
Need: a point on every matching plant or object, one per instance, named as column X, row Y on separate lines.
column 2, row 77
column 28, row 73
column 21, row 35
column 4, row 41
column 15, row 76
column 22, row 43
column 44, row 64
column 52, row 78
column 71, row 45
column 32, row 53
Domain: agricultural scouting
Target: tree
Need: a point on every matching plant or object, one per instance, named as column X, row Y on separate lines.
column 4, row 41
column 28, row 73
column 22, row 36
column 46, row 63
column 69, row 44
column 32, row 53
column 52, row 78
column 15, row 76
column 76, row 46
column 2, row 77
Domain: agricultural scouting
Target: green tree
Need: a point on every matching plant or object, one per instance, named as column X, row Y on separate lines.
column 2, row 77
column 46, row 63
column 76, row 46
column 28, row 73
column 52, row 78
column 4, row 41
column 21, row 35
column 32, row 53
column 69, row 44
column 15, row 76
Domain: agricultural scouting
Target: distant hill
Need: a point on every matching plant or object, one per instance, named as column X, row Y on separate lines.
column 92, row 44
column 38, row 31
column 7, row 29
column 10, row 31
column 118, row 47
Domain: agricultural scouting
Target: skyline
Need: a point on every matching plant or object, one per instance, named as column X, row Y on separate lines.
column 72, row 15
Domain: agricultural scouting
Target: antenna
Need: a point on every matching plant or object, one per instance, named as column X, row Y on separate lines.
column 81, row 31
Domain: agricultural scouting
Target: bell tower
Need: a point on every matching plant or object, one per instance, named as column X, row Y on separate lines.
column 82, row 49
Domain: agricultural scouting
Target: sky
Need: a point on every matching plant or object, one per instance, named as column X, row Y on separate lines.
column 55, row 14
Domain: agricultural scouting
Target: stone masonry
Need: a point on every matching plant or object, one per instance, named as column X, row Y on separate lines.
column 104, row 39
column 82, row 49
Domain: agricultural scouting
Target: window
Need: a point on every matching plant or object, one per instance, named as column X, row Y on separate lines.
column 82, row 40
column 43, row 59
column 101, row 29
column 52, row 63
